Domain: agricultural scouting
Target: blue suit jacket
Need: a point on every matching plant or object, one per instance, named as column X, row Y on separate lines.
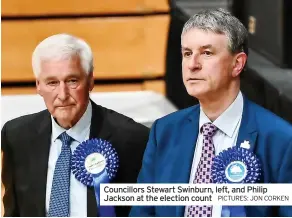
column 170, row 150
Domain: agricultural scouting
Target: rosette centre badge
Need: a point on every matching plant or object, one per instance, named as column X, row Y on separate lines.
column 95, row 161
column 236, row 171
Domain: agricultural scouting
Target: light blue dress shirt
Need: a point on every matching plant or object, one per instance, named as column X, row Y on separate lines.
column 78, row 192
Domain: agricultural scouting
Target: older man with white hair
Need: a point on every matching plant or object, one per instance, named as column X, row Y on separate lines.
column 37, row 148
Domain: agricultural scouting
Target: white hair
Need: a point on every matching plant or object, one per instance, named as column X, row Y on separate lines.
column 60, row 47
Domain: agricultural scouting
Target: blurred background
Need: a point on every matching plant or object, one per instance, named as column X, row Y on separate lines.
column 128, row 39
column 136, row 45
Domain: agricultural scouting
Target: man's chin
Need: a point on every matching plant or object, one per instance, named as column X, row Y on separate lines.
column 64, row 117
column 194, row 93
column 64, row 122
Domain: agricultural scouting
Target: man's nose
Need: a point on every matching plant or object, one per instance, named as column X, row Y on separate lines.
column 63, row 91
column 194, row 62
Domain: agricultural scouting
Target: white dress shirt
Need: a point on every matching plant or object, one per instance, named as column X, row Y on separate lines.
column 228, row 124
column 78, row 192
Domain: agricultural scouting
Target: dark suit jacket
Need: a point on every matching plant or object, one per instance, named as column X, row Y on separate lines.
column 170, row 150
column 25, row 145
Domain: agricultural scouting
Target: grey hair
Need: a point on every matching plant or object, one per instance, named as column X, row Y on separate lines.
column 60, row 47
column 222, row 22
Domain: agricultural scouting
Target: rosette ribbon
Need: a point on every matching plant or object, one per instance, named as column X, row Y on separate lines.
column 235, row 165
column 95, row 161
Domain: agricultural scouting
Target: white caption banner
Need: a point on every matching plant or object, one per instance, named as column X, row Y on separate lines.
column 197, row 194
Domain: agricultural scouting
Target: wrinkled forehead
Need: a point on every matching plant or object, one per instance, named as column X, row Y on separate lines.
column 197, row 38
column 61, row 68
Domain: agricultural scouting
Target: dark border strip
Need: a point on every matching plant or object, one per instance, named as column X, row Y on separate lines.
column 80, row 16
column 96, row 82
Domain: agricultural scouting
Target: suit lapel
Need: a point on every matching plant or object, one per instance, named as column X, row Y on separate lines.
column 98, row 129
column 39, row 155
column 248, row 129
column 185, row 151
column 248, row 132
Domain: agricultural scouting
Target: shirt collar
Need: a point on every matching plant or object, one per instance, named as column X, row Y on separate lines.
column 78, row 131
column 229, row 119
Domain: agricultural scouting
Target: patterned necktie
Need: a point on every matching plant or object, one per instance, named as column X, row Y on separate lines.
column 59, row 200
column 203, row 173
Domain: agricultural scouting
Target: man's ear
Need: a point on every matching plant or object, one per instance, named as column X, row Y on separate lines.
column 38, row 87
column 239, row 63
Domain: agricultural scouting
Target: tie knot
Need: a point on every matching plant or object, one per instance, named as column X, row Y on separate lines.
column 208, row 129
column 66, row 139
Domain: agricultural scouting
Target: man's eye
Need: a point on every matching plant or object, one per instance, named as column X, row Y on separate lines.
column 187, row 54
column 52, row 83
column 73, row 81
column 208, row 53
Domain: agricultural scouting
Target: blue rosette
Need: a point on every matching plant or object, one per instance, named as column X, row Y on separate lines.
column 93, row 162
column 235, row 165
